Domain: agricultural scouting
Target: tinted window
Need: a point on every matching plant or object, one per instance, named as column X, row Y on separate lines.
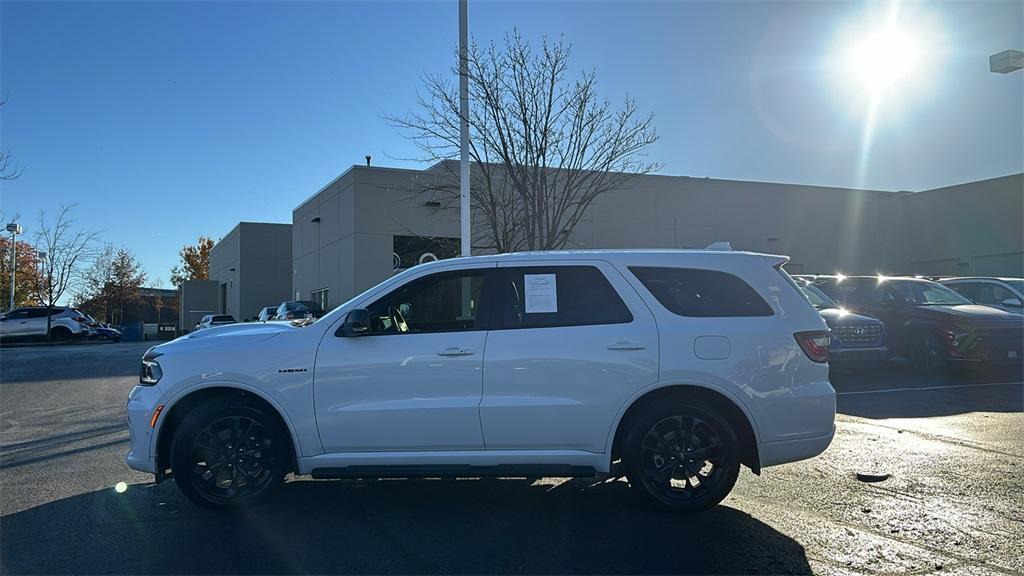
column 546, row 296
column 223, row 318
column 967, row 290
column 702, row 293
column 41, row 312
column 17, row 314
column 853, row 291
column 443, row 302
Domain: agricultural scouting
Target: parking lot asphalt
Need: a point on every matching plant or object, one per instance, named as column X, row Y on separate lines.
column 953, row 445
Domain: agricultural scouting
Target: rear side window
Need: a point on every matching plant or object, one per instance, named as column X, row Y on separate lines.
column 549, row 296
column 702, row 293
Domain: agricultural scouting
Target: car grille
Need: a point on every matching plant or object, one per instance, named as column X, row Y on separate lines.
column 1001, row 338
column 859, row 335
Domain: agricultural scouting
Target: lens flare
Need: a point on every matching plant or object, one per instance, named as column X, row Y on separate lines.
column 120, row 487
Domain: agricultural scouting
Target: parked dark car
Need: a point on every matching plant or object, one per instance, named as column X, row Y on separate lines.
column 267, row 313
column 103, row 331
column 298, row 309
column 855, row 338
column 931, row 324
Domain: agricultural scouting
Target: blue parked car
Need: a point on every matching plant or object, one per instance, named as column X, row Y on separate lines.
column 855, row 338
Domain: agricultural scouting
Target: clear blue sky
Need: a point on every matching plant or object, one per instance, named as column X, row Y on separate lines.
column 164, row 121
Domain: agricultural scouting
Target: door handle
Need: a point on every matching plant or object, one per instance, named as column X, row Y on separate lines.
column 626, row 345
column 454, row 351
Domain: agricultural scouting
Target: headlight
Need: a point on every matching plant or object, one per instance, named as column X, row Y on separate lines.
column 150, row 372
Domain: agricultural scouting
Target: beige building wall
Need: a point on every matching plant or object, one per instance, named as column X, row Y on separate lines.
column 968, row 229
column 343, row 235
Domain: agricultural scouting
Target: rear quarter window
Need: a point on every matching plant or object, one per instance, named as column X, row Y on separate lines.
column 701, row 293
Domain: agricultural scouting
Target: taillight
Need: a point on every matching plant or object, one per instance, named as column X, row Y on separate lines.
column 814, row 344
column 79, row 319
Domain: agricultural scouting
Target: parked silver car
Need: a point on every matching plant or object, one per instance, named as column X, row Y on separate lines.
column 211, row 320
column 1003, row 293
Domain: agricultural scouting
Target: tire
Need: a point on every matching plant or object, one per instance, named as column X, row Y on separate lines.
column 60, row 333
column 926, row 353
column 654, row 449
column 208, row 468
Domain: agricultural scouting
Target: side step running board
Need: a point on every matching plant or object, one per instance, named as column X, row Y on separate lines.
column 457, row 471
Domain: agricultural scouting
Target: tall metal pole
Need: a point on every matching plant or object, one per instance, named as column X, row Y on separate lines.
column 14, row 228
column 14, row 248
column 464, row 128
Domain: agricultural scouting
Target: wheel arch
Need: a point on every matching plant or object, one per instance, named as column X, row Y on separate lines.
column 176, row 410
column 734, row 412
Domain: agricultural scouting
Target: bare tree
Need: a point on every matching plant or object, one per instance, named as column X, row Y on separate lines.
column 8, row 171
column 544, row 147
column 67, row 249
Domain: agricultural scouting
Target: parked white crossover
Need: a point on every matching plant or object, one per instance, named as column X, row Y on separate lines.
column 672, row 368
column 30, row 322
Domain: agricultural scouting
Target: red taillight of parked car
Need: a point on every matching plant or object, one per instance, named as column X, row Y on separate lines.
column 80, row 319
column 814, row 344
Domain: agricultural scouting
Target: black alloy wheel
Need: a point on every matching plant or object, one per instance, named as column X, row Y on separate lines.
column 927, row 355
column 227, row 455
column 683, row 457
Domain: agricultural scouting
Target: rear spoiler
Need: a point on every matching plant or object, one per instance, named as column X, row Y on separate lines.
column 775, row 261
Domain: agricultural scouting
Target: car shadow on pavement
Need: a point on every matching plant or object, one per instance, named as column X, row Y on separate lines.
column 392, row 526
column 895, row 390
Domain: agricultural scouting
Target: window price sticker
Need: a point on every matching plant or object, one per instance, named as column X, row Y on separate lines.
column 541, row 293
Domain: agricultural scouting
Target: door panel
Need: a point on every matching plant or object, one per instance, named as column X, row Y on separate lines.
column 560, row 387
column 414, row 382
column 398, row 392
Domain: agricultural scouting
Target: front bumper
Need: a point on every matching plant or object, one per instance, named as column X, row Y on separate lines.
column 858, row 355
column 142, row 401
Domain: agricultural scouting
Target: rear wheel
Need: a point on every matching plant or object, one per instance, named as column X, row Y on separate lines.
column 228, row 453
column 60, row 333
column 683, row 456
column 927, row 354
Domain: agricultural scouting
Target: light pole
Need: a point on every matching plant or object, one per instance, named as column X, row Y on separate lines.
column 14, row 228
column 41, row 258
column 464, row 128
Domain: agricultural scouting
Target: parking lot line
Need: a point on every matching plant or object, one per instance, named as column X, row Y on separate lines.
column 915, row 389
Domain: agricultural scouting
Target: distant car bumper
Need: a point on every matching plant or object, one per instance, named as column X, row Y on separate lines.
column 858, row 355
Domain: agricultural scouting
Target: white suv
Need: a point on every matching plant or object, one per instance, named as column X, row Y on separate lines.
column 30, row 322
column 669, row 367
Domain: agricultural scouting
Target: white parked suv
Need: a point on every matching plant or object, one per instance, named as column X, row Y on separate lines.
column 672, row 368
column 30, row 322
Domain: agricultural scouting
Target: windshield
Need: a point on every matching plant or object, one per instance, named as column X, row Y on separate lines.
column 926, row 294
column 818, row 299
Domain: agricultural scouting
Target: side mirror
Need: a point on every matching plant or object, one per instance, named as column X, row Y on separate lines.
column 357, row 323
column 1012, row 303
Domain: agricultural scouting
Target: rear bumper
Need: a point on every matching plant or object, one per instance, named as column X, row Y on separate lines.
column 793, row 450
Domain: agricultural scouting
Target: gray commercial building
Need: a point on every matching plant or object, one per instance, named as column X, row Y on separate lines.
column 252, row 266
column 370, row 221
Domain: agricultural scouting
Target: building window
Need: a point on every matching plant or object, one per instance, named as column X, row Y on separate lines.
column 322, row 297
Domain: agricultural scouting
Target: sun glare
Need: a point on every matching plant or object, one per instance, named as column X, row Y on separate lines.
column 883, row 59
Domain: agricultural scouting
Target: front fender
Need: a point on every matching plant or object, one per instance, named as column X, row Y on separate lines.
column 301, row 443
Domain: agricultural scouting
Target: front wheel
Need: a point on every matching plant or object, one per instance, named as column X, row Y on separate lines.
column 682, row 456
column 229, row 454
column 926, row 353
